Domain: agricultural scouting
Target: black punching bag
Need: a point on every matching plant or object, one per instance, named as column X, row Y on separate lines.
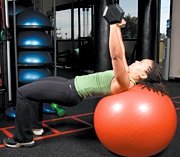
column 103, row 61
column 148, row 29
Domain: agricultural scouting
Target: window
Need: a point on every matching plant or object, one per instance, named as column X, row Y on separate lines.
column 63, row 24
column 86, row 22
column 131, row 15
column 164, row 18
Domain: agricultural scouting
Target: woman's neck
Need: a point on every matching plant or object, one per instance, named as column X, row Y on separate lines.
column 133, row 78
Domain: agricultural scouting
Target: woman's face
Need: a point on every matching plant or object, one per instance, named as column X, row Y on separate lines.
column 140, row 68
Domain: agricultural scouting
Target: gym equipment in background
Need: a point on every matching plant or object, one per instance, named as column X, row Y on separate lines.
column 35, row 47
column 28, row 75
column 34, row 57
column 47, row 108
column 19, row 9
column 33, row 40
column 11, row 112
column 33, row 19
column 52, row 108
column 60, row 111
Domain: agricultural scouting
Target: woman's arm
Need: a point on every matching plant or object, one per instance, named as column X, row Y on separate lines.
column 122, row 43
column 117, row 53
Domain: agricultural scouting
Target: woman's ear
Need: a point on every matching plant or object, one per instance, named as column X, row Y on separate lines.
column 143, row 76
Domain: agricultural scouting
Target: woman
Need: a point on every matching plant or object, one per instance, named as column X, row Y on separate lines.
column 71, row 92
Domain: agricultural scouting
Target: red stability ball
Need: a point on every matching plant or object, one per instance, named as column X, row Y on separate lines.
column 135, row 123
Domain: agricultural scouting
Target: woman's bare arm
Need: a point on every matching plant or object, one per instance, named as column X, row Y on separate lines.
column 117, row 53
column 122, row 44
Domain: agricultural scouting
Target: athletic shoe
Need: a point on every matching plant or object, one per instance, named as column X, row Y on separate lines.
column 10, row 142
column 38, row 132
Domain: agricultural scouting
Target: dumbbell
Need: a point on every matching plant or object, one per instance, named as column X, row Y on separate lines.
column 60, row 112
column 113, row 13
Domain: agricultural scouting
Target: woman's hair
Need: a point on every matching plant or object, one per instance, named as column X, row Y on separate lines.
column 154, row 80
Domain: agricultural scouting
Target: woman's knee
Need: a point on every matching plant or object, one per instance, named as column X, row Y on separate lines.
column 21, row 91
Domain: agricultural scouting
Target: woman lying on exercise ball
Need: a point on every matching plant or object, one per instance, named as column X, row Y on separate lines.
column 71, row 92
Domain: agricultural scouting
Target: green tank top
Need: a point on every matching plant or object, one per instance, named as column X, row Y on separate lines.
column 97, row 84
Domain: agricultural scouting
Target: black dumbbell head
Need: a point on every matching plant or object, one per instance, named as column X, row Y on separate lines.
column 113, row 13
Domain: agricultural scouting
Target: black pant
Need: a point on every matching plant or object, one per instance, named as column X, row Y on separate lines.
column 29, row 96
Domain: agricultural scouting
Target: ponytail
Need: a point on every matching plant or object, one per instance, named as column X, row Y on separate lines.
column 154, row 80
